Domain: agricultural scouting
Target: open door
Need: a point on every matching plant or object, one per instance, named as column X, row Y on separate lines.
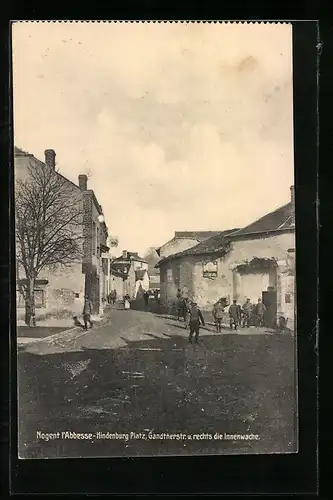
column 269, row 299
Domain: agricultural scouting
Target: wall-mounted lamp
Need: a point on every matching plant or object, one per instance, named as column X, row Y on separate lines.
column 101, row 218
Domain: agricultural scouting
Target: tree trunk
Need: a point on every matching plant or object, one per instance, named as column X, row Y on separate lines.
column 30, row 314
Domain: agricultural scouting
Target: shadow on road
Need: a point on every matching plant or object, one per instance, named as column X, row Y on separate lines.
column 225, row 384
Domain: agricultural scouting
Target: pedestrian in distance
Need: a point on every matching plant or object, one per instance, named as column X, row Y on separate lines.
column 195, row 319
column 87, row 312
column 146, row 298
column 114, row 296
column 247, row 313
column 127, row 303
column 234, row 315
column 218, row 312
column 179, row 304
column 260, row 311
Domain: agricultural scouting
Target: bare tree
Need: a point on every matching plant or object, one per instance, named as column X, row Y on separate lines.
column 48, row 214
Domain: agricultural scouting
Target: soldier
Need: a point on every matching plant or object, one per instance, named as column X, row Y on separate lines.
column 218, row 311
column 247, row 311
column 260, row 310
column 195, row 319
column 234, row 314
column 87, row 311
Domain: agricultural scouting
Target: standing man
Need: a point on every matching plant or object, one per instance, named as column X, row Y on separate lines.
column 195, row 319
column 247, row 311
column 179, row 303
column 218, row 311
column 87, row 311
column 260, row 310
column 146, row 298
column 234, row 315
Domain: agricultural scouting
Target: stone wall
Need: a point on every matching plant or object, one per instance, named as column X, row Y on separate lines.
column 188, row 271
column 177, row 245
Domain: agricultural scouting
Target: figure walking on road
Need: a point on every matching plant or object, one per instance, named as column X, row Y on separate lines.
column 146, row 298
column 234, row 315
column 196, row 319
column 87, row 311
column 218, row 311
column 113, row 296
column 127, row 303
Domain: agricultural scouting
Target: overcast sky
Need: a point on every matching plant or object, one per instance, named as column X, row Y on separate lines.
column 179, row 126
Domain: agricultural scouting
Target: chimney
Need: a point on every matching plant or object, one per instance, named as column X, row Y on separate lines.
column 292, row 199
column 83, row 179
column 124, row 254
column 50, row 158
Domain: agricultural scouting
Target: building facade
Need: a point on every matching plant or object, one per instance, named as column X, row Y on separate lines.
column 56, row 289
column 255, row 262
column 135, row 269
column 183, row 240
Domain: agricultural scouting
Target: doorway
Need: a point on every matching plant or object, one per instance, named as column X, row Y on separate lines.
column 269, row 299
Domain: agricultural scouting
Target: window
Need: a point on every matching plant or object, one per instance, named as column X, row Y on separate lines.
column 169, row 274
column 39, row 298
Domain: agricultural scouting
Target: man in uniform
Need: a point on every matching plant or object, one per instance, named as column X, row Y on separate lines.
column 234, row 314
column 260, row 310
column 196, row 319
column 247, row 312
column 87, row 311
column 218, row 311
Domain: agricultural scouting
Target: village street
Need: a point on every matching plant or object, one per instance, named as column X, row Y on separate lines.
column 137, row 373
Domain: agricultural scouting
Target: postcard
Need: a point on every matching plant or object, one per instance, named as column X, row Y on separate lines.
column 155, row 239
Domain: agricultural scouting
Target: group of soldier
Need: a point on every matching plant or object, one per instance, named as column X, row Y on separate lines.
column 245, row 316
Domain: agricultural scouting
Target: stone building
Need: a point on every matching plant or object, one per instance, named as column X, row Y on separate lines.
column 254, row 262
column 183, row 240
column 55, row 290
column 135, row 269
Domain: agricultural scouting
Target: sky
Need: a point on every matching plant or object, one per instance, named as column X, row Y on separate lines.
column 179, row 126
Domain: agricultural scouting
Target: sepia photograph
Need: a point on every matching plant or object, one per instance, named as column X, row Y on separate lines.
column 154, row 200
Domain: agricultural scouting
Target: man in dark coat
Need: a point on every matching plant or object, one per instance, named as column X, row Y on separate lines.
column 87, row 311
column 146, row 298
column 218, row 312
column 196, row 319
column 234, row 315
column 260, row 311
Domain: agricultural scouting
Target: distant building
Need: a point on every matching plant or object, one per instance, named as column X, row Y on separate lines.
column 254, row 262
column 134, row 272
column 55, row 290
column 183, row 240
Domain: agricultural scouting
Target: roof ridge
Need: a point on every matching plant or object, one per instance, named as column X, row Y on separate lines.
column 263, row 217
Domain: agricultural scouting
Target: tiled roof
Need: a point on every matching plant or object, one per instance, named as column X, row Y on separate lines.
column 210, row 245
column 20, row 152
column 195, row 235
column 279, row 219
column 199, row 235
column 131, row 256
